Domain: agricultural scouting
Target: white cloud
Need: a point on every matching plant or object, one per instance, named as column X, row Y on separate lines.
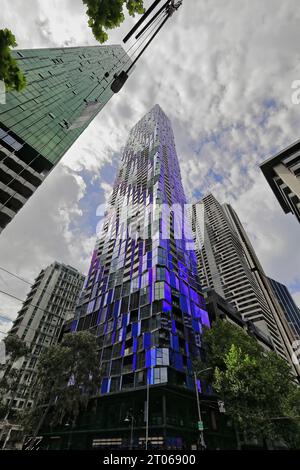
column 222, row 71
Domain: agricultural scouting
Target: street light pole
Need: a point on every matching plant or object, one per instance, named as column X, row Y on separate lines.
column 131, row 428
column 147, row 413
column 170, row 8
column 198, row 405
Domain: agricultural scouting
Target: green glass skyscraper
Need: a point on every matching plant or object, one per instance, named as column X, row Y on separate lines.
column 66, row 89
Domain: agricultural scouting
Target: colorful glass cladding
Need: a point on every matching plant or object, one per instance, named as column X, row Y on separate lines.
column 142, row 296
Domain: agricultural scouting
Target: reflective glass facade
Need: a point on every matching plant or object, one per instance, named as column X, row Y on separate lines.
column 66, row 89
column 142, row 296
column 290, row 309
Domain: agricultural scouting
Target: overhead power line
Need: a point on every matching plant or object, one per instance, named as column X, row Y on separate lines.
column 44, row 290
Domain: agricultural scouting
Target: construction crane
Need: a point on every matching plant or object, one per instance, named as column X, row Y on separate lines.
column 159, row 19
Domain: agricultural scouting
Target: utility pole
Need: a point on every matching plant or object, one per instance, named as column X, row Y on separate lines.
column 147, row 413
column 167, row 10
column 130, row 417
column 200, row 422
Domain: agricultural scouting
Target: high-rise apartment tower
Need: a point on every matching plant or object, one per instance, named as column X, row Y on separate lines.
column 282, row 171
column 142, row 300
column 50, row 302
column 288, row 305
column 66, row 88
column 228, row 264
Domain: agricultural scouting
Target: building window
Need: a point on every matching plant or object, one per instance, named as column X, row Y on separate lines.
column 145, row 312
column 162, row 357
column 159, row 290
column 160, row 375
column 161, row 274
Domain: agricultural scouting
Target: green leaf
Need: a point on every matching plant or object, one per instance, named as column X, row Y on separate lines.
column 10, row 73
column 257, row 386
column 107, row 14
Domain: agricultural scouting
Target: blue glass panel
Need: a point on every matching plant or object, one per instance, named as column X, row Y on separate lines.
column 109, row 297
column 124, row 333
column 166, row 307
column 74, row 325
column 150, row 376
column 184, row 288
column 196, row 326
column 178, row 361
column 205, row 318
column 135, row 329
column 168, row 296
column 147, row 340
column 91, row 306
column 99, row 317
column 196, row 311
column 116, row 308
column 174, row 281
column 175, row 342
column 185, row 304
column 151, row 285
column 148, row 358
column 105, row 385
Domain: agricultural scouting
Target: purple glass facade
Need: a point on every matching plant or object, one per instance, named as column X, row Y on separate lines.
column 142, row 297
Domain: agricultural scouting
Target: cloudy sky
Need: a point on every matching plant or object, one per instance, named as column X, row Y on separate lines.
column 223, row 71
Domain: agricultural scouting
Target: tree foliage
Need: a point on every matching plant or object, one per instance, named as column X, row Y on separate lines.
column 68, row 376
column 108, row 14
column 15, row 348
column 256, row 385
column 10, row 73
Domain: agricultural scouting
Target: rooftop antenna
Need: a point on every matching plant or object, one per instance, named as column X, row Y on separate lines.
column 170, row 7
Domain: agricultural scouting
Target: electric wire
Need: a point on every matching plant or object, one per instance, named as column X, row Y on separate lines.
column 55, row 327
column 152, row 26
column 33, row 305
column 38, row 288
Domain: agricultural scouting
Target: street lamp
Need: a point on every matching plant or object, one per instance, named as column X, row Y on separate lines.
column 200, row 423
column 130, row 418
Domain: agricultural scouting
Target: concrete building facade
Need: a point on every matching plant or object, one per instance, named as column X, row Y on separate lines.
column 283, row 175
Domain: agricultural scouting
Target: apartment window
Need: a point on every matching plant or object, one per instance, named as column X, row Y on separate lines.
column 144, row 296
column 135, row 284
column 162, row 357
column 160, row 274
column 134, row 301
column 160, row 375
column 159, row 290
column 126, row 289
column 145, row 312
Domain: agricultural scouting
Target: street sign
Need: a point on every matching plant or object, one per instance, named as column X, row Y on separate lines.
column 200, row 426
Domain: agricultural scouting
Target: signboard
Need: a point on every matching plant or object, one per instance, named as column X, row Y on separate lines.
column 200, row 426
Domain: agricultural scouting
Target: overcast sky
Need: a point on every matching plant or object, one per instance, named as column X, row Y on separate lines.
column 222, row 70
